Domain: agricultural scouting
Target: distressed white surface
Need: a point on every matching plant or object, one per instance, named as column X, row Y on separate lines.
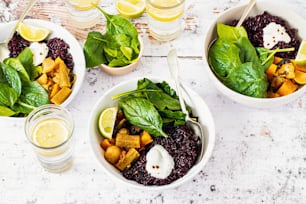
column 259, row 156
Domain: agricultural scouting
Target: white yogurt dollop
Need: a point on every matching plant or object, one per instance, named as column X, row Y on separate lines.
column 274, row 33
column 159, row 162
column 40, row 52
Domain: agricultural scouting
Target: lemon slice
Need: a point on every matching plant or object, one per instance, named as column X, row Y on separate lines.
column 161, row 14
column 32, row 33
column 130, row 8
column 300, row 58
column 50, row 133
column 83, row 5
column 107, row 121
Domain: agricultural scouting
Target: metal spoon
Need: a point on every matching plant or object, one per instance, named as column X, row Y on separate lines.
column 24, row 13
column 194, row 125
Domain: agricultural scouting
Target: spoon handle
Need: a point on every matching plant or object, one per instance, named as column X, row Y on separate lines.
column 174, row 71
column 22, row 16
column 246, row 12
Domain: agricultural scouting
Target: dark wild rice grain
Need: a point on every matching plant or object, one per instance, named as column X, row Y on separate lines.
column 59, row 48
column 16, row 45
column 180, row 144
column 254, row 27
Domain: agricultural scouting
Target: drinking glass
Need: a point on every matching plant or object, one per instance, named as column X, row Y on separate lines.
column 165, row 18
column 82, row 14
column 49, row 129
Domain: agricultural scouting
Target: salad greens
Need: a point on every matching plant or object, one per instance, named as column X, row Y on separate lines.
column 119, row 46
column 19, row 93
column 238, row 64
column 151, row 106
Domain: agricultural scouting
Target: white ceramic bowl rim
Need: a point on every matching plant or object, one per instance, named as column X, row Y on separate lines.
column 209, row 124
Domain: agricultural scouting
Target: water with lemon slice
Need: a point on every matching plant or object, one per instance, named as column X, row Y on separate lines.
column 82, row 13
column 49, row 128
column 165, row 18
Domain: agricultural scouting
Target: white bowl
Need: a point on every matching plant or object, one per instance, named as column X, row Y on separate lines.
column 199, row 108
column 116, row 71
column 293, row 20
column 75, row 50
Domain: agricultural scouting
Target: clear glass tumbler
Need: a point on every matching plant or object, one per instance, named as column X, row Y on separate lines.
column 165, row 18
column 82, row 14
column 49, row 129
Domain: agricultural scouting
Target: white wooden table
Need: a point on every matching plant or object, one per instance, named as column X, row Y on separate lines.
column 259, row 155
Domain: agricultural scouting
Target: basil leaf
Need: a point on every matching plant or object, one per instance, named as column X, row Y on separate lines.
column 142, row 113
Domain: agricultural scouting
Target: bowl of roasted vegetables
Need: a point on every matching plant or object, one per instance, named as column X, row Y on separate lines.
column 41, row 64
column 139, row 136
column 260, row 63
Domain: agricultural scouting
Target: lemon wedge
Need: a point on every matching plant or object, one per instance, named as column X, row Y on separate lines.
column 32, row 33
column 50, row 133
column 300, row 58
column 130, row 8
column 107, row 121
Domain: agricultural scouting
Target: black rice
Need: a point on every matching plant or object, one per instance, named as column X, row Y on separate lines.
column 16, row 45
column 59, row 48
column 180, row 144
column 254, row 27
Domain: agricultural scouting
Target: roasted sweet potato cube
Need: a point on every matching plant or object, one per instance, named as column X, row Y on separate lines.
column 62, row 74
column 145, row 138
column 61, row 96
column 287, row 87
column 42, row 79
column 55, row 88
column 270, row 72
column 287, row 70
column 48, row 65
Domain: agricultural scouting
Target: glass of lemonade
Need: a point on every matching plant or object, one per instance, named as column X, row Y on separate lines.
column 165, row 18
column 49, row 129
column 82, row 14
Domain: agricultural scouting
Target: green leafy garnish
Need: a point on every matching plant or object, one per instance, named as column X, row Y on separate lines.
column 151, row 106
column 19, row 93
column 140, row 112
column 119, row 46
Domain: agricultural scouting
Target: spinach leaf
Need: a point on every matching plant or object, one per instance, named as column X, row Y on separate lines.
column 16, row 64
column 118, row 25
column 248, row 80
column 142, row 113
column 5, row 111
column 230, row 33
column 8, row 96
column 26, row 59
column 235, row 62
column 9, row 76
column 93, row 49
column 223, row 56
column 34, row 94
column 266, row 56
column 119, row 46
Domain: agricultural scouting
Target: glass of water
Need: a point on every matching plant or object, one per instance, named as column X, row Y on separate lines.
column 165, row 18
column 49, row 129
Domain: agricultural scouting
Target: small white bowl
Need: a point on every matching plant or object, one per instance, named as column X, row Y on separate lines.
column 199, row 108
column 274, row 8
column 117, row 71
